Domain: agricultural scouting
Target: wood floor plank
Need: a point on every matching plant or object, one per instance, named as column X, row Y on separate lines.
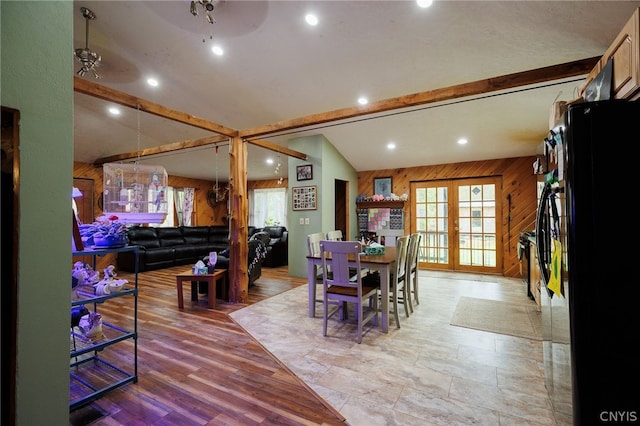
column 196, row 366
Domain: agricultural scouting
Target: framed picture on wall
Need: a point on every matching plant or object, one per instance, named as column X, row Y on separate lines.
column 382, row 186
column 304, row 198
column 304, row 172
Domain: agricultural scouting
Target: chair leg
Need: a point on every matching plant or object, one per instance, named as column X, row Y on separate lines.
column 359, row 314
column 395, row 307
column 415, row 288
column 324, row 317
column 406, row 298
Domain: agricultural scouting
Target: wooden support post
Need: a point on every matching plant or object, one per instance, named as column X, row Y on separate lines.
column 238, row 224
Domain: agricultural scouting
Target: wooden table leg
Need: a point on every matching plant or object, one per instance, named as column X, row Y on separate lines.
column 180, row 297
column 212, row 292
column 224, row 291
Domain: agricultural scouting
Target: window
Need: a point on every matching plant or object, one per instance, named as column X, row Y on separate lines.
column 268, row 207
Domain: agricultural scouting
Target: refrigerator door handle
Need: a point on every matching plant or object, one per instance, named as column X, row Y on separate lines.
column 543, row 239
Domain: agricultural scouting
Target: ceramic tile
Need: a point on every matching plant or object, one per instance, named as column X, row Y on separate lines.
column 427, row 372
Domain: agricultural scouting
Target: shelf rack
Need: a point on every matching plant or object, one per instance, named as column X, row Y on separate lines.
column 93, row 372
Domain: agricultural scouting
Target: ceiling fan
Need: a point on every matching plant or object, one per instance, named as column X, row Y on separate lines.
column 89, row 59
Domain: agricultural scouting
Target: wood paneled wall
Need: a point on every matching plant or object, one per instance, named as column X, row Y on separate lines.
column 518, row 181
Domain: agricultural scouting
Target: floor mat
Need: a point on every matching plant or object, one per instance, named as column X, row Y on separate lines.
column 514, row 319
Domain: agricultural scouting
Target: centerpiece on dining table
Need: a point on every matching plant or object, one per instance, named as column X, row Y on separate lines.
column 372, row 248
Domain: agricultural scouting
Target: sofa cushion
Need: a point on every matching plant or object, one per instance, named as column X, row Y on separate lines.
column 170, row 237
column 195, row 234
column 219, row 235
column 143, row 236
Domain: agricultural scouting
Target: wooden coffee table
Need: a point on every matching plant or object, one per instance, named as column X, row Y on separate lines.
column 210, row 279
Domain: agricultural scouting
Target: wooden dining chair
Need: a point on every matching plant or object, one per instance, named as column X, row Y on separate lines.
column 398, row 284
column 339, row 290
column 313, row 248
column 388, row 237
column 335, row 235
column 412, row 269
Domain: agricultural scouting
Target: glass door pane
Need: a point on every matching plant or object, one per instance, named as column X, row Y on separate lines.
column 458, row 221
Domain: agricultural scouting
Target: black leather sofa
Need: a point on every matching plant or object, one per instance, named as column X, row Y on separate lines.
column 278, row 248
column 162, row 247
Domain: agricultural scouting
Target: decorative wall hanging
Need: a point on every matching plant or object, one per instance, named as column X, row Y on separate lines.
column 304, row 172
column 304, row 198
column 382, row 186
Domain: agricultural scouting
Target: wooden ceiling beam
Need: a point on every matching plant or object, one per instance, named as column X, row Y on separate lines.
column 277, row 148
column 163, row 149
column 504, row 82
column 90, row 88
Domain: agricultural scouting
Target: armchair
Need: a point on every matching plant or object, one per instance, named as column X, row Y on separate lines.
column 278, row 247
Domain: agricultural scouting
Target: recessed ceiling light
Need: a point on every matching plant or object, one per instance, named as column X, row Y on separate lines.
column 217, row 50
column 424, row 3
column 362, row 100
column 462, row 141
column 152, row 82
column 114, row 111
column 391, row 145
column 269, row 160
column 311, row 19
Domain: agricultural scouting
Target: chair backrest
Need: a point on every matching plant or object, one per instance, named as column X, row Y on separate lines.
column 336, row 254
column 335, row 235
column 313, row 243
column 412, row 252
column 402, row 246
column 390, row 236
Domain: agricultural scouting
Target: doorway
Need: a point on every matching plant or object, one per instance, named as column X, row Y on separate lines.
column 341, row 218
column 9, row 227
column 460, row 224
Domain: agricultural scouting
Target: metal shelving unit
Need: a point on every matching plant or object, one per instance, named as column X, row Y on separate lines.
column 94, row 371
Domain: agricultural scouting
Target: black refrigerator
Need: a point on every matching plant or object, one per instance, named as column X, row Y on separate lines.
column 585, row 234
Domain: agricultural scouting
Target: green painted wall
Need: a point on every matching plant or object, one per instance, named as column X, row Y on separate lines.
column 37, row 79
column 328, row 165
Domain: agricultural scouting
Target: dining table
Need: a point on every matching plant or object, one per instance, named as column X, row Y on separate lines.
column 378, row 262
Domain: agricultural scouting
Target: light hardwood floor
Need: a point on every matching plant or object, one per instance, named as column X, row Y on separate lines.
column 199, row 366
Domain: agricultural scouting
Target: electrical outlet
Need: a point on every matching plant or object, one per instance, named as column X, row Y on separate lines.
column 302, row 221
column 306, row 220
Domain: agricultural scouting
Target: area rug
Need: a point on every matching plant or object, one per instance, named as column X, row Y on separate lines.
column 514, row 319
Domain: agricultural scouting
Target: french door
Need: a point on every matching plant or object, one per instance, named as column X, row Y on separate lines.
column 459, row 221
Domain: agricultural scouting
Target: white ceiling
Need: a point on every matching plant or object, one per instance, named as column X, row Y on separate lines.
column 278, row 68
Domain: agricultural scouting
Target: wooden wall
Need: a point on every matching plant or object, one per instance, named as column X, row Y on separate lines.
column 518, row 181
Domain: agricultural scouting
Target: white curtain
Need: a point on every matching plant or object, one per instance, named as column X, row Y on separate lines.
column 268, row 207
column 187, row 205
column 179, row 204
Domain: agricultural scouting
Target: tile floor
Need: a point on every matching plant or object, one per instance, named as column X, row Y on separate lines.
column 428, row 372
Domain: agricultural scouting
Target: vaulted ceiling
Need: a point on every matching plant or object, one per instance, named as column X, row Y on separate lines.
column 437, row 65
